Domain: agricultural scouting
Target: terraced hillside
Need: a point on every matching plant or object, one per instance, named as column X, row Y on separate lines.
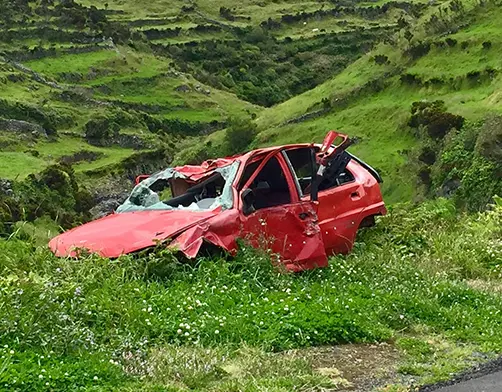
column 163, row 71
column 99, row 85
column 458, row 62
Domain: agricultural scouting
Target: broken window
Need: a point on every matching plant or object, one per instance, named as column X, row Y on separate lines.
column 336, row 173
column 172, row 190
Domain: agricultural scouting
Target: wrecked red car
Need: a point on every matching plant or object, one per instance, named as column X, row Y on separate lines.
column 301, row 201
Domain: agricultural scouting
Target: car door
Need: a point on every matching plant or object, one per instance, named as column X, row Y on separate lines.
column 339, row 195
column 278, row 219
column 339, row 214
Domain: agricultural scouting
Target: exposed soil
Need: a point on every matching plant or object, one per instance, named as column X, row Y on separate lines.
column 364, row 366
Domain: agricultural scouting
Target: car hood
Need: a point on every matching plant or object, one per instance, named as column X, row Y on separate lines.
column 119, row 234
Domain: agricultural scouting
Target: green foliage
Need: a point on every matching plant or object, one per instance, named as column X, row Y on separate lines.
column 489, row 142
column 48, row 119
column 262, row 70
column 463, row 168
column 53, row 193
column 239, row 135
column 101, row 130
column 69, row 317
column 434, row 118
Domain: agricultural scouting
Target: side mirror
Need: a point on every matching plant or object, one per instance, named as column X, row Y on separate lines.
column 248, row 199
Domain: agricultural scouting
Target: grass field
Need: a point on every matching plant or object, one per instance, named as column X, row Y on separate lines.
column 417, row 282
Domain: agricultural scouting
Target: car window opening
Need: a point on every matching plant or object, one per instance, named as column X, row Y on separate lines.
column 301, row 163
column 170, row 190
column 270, row 187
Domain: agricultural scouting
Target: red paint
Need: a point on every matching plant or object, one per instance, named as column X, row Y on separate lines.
column 302, row 232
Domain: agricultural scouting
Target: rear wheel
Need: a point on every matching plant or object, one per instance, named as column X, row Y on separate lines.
column 368, row 221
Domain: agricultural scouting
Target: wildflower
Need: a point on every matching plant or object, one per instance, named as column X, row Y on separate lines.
column 187, row 333
column 40, row 376
column 78, row 291
column 216, row 332
column 11, row 352
column 179, row 331
column 95, row 378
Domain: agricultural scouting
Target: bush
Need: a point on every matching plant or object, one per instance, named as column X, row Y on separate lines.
column 381, row 59
column 101, row 130
column 239, row 135
column 434, row 117
column 53, row 193
column 463, row 171
column 489, row 142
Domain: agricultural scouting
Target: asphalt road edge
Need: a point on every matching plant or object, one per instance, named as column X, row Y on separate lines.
column 477, row 371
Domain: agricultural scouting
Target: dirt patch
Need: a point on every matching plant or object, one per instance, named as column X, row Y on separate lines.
column 485, row 285
column 364, row 366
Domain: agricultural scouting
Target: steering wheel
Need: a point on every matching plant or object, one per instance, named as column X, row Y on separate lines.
column 202, row 195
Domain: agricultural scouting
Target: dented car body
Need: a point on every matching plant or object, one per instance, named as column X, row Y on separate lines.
column 302, row 201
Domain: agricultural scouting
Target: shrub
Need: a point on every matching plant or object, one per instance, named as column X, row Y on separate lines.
column 434, row 117
column 418, row 50
column 487, row 45
column 101, row 130
column 489, row 142
column 381, row 59
column 239, row 135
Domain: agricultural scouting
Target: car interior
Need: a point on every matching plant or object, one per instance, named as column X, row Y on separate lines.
column 335, row 175
column 203, row 194
column 270, row 187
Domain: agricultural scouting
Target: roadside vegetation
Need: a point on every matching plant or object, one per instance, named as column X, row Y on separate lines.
column 422, row 279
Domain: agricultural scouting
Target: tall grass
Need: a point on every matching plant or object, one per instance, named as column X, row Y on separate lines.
column 116, row 320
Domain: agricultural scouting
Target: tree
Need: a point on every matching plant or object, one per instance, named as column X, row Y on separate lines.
column 239, row 135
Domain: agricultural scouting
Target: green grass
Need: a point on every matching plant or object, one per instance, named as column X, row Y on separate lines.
column 455, row 62
column 73, row 62
column 19, row 164
column 140, row 319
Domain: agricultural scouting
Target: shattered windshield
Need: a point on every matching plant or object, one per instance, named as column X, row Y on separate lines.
column 172, row 190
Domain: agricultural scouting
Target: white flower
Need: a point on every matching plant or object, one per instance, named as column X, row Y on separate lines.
column 187, row 333
column 216, row 332
column 11, row 352
column 40, row 376
column 179, row 331
column 95, row 378
column 401, row 316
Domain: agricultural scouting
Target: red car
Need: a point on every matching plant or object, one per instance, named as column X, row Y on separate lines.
column 301, row 201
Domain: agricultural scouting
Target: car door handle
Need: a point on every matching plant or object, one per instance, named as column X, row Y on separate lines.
column 354, row 195
column 303, row 215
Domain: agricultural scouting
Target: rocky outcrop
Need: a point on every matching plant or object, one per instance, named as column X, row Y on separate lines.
column 6, row 187
column 24, row 127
